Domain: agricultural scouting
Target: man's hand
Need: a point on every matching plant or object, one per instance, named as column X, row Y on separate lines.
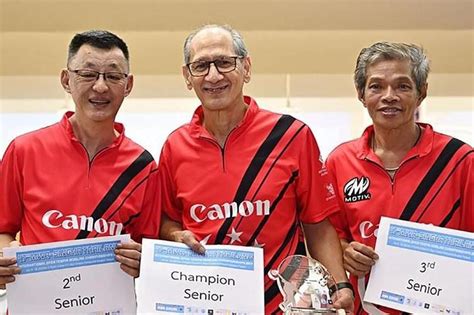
column 344, row 300
column 173, row 231
column 359, row 258
column 129, row 255
column 187, row 237
column 8, row 268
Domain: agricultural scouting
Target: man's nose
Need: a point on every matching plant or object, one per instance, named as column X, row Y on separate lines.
column 100, row 85
column 390, row 95
column 213, row 75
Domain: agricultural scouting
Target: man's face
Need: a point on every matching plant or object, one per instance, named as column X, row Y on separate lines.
column 390, row 94
column 217, row 91
column 97, row 100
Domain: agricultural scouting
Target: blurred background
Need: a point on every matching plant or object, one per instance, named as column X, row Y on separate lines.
column 303, row 53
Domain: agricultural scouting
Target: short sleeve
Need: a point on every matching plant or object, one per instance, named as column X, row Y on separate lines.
column 315, row 193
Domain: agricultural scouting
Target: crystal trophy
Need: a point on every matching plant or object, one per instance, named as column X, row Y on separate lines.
column 304, row 283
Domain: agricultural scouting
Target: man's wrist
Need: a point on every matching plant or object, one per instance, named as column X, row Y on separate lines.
column 341, row 285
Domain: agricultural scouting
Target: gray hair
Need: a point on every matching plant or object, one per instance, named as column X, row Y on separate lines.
column 239, row 45
column 380, row 51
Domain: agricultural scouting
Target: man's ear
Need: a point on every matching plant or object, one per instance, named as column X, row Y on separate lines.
column 423, row 93
column 128, row 88
column 247, row 69
column 360, row 96
column 64, row 78
column 187, row 77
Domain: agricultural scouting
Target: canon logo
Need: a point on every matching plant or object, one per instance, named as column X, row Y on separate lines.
column 368, row 229
column 55, row 219
column 200, row 212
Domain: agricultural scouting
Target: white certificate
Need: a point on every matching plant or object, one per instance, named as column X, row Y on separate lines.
column 174, row 279
column 422, row 269
column 75, row 277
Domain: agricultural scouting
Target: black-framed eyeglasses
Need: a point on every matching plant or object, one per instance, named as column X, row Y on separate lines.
column 92, row 76
column 223, row 64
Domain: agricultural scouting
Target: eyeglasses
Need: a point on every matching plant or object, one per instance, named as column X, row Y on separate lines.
column 90, row 76
column 224, row 64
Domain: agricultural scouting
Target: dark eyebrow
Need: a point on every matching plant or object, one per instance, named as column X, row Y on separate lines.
column 205, row 59
column 114, row 66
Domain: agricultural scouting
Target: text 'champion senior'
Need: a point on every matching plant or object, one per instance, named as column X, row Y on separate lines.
column 209, row 280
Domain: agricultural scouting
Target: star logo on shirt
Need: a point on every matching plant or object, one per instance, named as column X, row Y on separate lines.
column 234, row 236
column 257, row 244
column 205, row 240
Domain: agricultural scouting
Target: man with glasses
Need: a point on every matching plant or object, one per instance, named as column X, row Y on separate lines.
column 241, row 175
column 81, row 177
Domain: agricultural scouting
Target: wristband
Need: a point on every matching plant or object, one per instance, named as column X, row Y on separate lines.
column 341, row 285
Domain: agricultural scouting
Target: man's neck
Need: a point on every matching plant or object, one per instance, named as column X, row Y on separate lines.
column 221, row 123
column 392, row 145
column 93, row 136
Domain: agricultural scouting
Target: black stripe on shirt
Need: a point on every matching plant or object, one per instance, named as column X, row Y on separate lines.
column 439, row 165
column 443, row 184
column 291, row 234
column 114, row 192
column 241, row 219
column 126, row 198
column 451, row 213
column 277, row 159
column 280, row 128
column 273, row 206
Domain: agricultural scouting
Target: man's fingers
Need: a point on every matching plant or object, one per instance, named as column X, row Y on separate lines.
column 190, row 240
column 344, row 300
column 355, row 256
column 129, row 255
column 354, row 271
column 9, row 271
column 129, row 265
column 7, row 261
column 7, row 279
column 130, row 245
column 198, row 248
column 364, row 250
column 131, row 271
column 354, row 267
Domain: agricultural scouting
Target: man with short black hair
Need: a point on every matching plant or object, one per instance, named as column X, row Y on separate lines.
column 82, row 177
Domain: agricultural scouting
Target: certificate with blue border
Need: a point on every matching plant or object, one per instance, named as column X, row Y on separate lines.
column 71, row 277
column 175, row 280
column 422, row 269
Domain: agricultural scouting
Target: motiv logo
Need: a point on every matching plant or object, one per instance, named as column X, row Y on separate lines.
column 357, row 189
column 55, row 219
column 200, row 212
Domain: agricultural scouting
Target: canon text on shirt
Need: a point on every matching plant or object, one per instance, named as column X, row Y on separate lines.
column 55, row 219
column 368, row 229
column 200, row 212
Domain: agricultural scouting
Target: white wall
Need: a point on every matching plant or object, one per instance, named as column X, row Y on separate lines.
column 333, row 120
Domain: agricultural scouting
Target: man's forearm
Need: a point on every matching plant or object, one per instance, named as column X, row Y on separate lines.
column 169, row 228
column 173, row 231
column 344, row 244
column 324, row 246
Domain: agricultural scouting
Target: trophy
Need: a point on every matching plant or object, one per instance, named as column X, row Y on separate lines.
column 305, row 285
